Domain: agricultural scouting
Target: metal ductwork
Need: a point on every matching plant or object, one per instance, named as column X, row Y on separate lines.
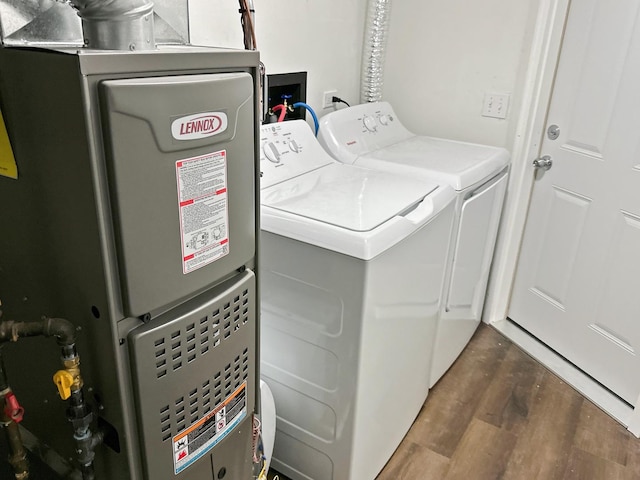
column 104, row 24
column 117, row 24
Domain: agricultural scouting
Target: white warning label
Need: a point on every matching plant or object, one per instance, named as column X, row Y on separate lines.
column 203, row 435
column 204, row 216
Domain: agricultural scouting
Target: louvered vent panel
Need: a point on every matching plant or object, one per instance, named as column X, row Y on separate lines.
column 190, row 407
column 195, row 340
column 187, row 361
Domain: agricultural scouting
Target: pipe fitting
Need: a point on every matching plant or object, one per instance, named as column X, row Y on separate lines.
column 18, row 455
column 86, row 446
column 69, row 380
column 63, row 330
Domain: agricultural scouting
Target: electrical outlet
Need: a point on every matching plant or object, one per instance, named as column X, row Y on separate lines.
column 327, row 98
column 495, row 105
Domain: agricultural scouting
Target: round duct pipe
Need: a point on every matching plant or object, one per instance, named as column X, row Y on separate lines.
column 117, row 24
column 373, row 54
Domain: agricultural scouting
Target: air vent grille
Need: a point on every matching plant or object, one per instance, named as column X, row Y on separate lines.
column 196, row 339
column 188, row 408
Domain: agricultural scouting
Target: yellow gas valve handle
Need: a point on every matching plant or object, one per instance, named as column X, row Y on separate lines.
column 63, row 381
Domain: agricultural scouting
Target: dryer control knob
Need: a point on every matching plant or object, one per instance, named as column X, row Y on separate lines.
column 369, row 123
column 271, row 152
column 293, row 145
column 384, row 119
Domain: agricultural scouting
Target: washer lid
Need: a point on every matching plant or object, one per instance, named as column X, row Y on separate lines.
column 351, row 210
column 458, row 164
column 348, row 197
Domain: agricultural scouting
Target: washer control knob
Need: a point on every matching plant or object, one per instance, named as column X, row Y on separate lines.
column 369, row 123
column 293, row 145
column 384, row 119
column 271, row 152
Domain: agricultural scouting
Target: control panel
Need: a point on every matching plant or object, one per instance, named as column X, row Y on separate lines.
column 348, row 133
column 288, row 149
column 377, row 120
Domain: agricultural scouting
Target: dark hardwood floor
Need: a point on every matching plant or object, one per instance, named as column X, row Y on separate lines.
column 499, row 414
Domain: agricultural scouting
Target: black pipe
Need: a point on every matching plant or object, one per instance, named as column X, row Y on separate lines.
column 10, row 331
column 79, row 412
column 80, row 415
column 4, row 383
column 18, row 456
column 62, row 329
column 87, row 472
column 87, row 446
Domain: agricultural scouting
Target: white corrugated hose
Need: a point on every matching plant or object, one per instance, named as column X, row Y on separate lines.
column 373, row 54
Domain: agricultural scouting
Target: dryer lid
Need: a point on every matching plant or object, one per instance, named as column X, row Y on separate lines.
column 458, row 164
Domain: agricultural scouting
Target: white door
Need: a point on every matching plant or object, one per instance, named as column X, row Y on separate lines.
column 577, row 285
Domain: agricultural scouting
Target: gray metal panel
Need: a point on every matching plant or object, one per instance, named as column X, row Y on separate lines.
column 142, row 155
column 186, row 363
column 186, row 59
column 171, row 21
column 51, row 261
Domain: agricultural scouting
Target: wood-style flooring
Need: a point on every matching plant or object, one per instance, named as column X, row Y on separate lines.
column 499, row 414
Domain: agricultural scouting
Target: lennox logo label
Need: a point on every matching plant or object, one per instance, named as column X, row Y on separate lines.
column 199, row 125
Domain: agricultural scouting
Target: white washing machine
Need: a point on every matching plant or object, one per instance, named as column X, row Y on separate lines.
column 350, row 299
column 370, row 135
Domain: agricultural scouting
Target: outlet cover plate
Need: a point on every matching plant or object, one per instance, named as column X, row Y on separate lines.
column 327, row 98
column 495, row 105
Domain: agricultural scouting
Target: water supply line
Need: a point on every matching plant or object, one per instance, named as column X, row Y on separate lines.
column 316, row 124
column 117, row 24
column 11, row 414
column 374, row 50
column 282, row 108
column 68, row 380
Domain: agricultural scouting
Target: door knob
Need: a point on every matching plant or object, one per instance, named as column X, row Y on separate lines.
column 544, row 162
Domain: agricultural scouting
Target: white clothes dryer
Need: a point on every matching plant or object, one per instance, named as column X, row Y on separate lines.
column 349, row 303
column 370, row 135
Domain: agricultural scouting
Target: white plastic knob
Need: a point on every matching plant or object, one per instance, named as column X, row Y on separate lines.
column 271, row 152
column 369, row 123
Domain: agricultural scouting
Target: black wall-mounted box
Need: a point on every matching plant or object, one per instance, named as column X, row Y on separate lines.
column 291, row 87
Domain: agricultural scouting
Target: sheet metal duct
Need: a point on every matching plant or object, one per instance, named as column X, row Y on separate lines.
column 117, row 24
column 58, row 23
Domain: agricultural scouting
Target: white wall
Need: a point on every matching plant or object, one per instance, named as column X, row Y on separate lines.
column 323, row 38
column 443, row 56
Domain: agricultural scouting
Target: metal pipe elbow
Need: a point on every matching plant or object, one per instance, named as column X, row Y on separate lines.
column 63, row 330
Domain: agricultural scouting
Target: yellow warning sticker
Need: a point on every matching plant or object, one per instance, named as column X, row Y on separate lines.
column 8, row 167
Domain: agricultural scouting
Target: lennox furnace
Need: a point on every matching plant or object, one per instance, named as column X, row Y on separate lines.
column 133, row 216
